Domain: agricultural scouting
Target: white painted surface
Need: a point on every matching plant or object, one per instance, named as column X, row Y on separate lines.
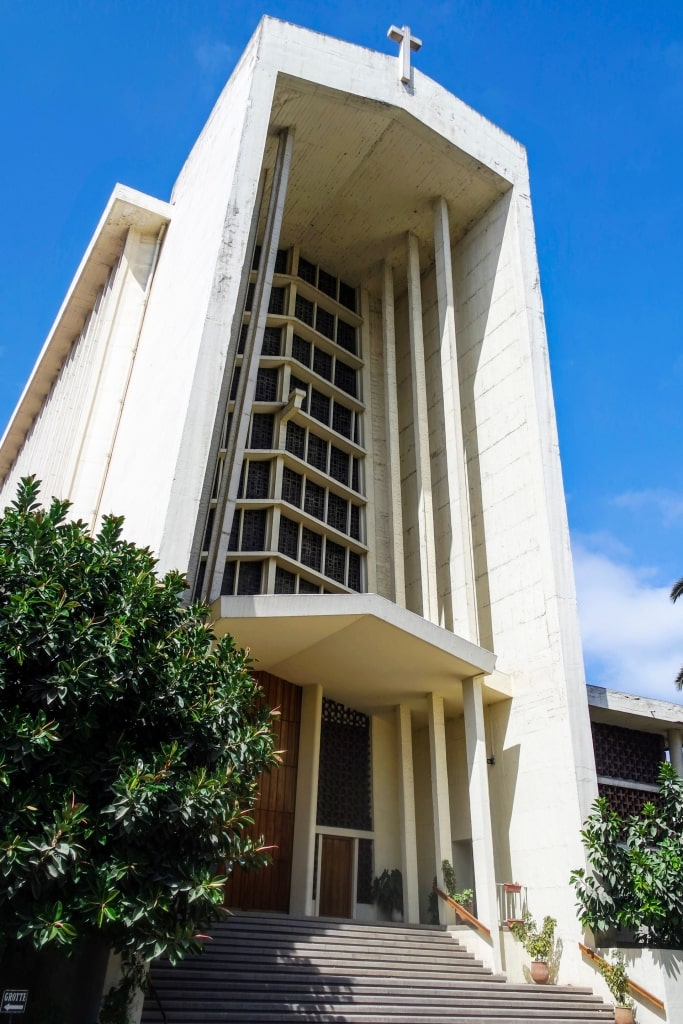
column 306, row 806
column 393, row 452
column 480, row 812
column 423, row 471
column 461, row 614
column 385, row 794
column 675, row 738
column 441, row 816
column 406, row 804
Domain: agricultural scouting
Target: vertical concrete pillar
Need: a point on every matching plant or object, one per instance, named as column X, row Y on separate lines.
column 461, row 563
column 406, row 804
column 441, row 810
column 391, row 425
column 239, row 426
column 480, row 811
column 425, row 517
column 368, row 464
column 675, row 737
column 303, row 845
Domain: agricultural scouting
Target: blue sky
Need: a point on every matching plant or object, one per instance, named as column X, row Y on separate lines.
column 99, row 92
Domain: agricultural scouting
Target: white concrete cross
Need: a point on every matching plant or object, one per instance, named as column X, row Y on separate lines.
column 407, row 43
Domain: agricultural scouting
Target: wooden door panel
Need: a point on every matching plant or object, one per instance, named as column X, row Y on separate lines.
column 268, row 888
column 336, row 877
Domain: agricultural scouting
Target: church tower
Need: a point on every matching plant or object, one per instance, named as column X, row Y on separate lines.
column 317, row 381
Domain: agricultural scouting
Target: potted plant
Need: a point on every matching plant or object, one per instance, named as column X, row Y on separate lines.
column 616, row 977
column 465, row 897
column 387, row 893
column 538, row 943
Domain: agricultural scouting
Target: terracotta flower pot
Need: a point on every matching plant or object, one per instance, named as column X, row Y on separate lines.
column 539, row 971
column 623, row 1015
column 512, row 887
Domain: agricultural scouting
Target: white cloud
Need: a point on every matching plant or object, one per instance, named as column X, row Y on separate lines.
column 632, row 633
column 668, row 504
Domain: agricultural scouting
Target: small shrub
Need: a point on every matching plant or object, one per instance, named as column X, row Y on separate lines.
column 616, row 977
column 539, row 944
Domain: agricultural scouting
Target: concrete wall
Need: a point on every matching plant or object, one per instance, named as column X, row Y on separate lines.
column 423, row 819
column 385, row 813
column 190, row 325
column 70, row 442
column 543, row 779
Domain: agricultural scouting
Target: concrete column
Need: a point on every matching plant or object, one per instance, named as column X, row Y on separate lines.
column 480, row 811
column 368, row 464
column 425, row 517
column 244, row 400
column 461, row 563
column 441, row 810
column 406, row 805
column 392, row 435
column 675, row 737
column 303, row 845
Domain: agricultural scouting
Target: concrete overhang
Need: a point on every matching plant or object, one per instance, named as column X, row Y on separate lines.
column 126, row 208
column 365, row 173
column 628, row 711
column 364, row 650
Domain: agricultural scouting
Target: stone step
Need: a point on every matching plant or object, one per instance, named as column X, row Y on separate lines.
column 355, row 970
column 494, row 987
column 344, row 950
column 259, row 969
column 248, row 1016
column 251, row 937
column 474, row 1002
column 365, row 933
column 307, row 976
column 312, row 925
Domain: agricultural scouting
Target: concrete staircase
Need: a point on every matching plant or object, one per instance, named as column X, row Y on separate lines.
column 266, row 968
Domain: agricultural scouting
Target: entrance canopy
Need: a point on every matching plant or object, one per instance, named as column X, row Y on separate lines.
column 366, row 651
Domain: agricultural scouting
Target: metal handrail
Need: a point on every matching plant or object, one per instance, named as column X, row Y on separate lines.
column 637, row 990
column 462, row 913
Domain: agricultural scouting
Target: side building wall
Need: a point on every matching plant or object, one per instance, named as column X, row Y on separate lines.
column 71, row 440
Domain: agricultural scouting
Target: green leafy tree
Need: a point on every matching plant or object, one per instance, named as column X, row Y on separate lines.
column 633, row 884
column 130, row 742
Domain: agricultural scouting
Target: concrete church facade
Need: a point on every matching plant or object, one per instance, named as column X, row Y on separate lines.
column 317, row 380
